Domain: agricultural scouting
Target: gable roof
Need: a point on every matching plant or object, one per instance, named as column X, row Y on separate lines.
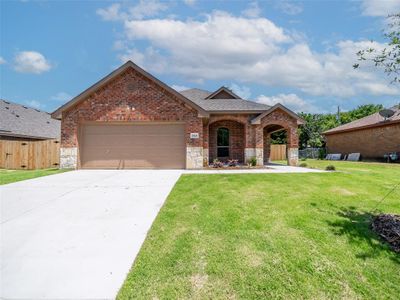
column 129, row 64
column 18, row 120
column 223, row 89
column 373, row 120
column 257, row 120
column 202, row 98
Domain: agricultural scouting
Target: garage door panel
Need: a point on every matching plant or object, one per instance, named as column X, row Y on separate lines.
column 133, row 146
column 129, row 141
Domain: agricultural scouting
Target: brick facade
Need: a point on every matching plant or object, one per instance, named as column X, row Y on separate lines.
column 372, row 143
column 131, row 96
column 236, row 140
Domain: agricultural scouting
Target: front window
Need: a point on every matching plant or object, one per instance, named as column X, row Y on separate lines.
column 223, row 142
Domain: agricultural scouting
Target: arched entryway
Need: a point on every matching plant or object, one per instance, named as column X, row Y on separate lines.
column 277, row 135
column 226, row 141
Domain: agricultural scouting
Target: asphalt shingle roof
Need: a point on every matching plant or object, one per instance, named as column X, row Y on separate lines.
column 22, row 121
column 374, row 119
column 198, row 96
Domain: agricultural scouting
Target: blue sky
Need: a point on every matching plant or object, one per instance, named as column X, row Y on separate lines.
column 299, row 53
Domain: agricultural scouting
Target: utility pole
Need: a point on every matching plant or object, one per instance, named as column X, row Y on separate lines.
column 338, row 114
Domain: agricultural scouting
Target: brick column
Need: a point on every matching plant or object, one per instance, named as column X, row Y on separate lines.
column 257, row 146
column 293, row 147
column 206, row 146
column 267, row 148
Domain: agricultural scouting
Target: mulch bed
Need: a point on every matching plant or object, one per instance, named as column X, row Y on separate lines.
column 387, row 226
column 235, row 168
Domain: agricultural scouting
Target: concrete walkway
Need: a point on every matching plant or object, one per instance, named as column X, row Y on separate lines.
column 75, row 235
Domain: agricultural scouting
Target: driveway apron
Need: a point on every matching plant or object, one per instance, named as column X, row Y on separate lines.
column 75, row 235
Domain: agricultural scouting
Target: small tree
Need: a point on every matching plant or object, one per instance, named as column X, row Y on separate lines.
column 389, row 57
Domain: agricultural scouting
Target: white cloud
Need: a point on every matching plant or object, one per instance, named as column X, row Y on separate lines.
column 62, row 97
column 111, row 13
column 179, row 88
column 144, row 8
column 119, row 45
column 242, row 91
column 380, row 8
column 253, row 11
column 292, row 101
column 31, row 62
column 240, row 49
column 220, row 39
column 289, row 8
column 190, row 2
column 2, row 60
column 34, row 104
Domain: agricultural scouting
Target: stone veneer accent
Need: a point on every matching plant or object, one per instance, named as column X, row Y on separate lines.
column 194, row 157
column 205, row 157
column 293, row 156
column 258, row 153
column 68, row 158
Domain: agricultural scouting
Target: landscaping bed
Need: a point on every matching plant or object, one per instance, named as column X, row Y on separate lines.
column 387, row 226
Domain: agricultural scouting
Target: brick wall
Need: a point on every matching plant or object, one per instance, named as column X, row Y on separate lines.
column 372, row 143
column 279, row 117
column 236, row 139
column 130, row 97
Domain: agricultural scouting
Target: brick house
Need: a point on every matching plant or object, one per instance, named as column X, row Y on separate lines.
column 130, row 119
column 372, row 136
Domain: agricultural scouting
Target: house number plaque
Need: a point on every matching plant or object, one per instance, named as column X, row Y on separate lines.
column 194, row 135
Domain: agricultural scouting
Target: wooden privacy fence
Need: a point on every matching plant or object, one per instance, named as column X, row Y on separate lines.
column 278, row 152
column 24, row 155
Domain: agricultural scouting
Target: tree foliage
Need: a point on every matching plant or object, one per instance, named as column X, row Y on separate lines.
column 310, row 134
column 389, row 57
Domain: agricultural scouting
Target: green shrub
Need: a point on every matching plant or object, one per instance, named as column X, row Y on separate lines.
column 321, row 153
column 303, row 158
column 217, row 163
column 252, row 161
column 330, row 168
column 303, row 165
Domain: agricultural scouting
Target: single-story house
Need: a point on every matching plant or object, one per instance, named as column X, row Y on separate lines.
column 372, row 136
column 20, row 122
column 130, row 119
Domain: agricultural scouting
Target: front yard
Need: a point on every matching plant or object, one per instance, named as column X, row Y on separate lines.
column 9, row 176
column 262, row 236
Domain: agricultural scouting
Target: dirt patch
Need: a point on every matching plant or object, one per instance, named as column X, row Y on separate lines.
column 253, row 258
column 342, row 191
column 387, row 226
column 198, row 281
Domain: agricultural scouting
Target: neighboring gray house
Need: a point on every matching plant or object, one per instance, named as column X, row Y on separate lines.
column 19, row 122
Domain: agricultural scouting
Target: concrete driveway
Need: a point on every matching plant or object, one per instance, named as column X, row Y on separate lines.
column 75, row 235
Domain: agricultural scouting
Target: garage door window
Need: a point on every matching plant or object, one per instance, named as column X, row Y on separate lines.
column 223, row 142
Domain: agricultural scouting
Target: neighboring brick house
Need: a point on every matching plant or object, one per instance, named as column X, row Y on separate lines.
column 371, row 136
column 130, row 119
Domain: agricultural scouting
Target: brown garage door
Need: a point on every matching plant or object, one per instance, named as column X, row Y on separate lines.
column 115, row 146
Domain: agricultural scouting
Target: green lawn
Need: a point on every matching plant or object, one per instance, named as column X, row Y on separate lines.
column 9, row 176
column 268, row 236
